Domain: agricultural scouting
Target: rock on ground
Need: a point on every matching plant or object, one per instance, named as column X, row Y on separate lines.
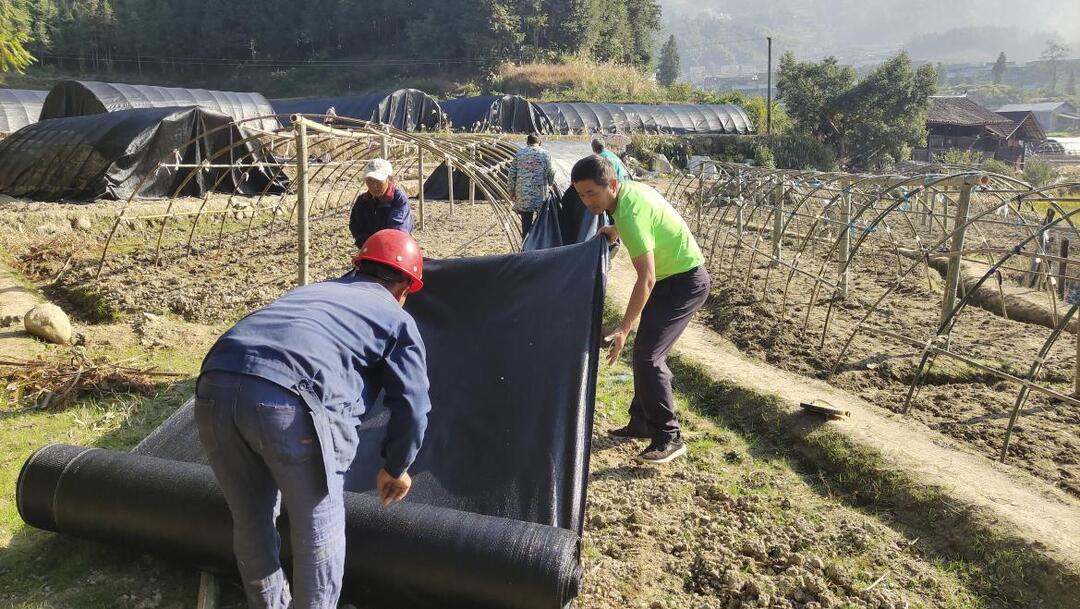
column 81, row 223
column 49, row 322
column 662, row 164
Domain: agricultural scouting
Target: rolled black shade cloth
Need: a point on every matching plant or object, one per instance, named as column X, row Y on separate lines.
column 409, row 555
column 497, row 507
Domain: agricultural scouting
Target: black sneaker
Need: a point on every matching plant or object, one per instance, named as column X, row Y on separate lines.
column 663, row 452
column 631, row 431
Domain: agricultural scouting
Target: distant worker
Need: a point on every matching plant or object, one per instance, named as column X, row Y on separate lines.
column 331, row 116
column 600, row 148
column 531, row 177
column 671, row 286
column 383, row 205
column 278, row 404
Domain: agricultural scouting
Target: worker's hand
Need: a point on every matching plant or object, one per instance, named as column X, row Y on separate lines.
column 391, row 489
column 616, row 341
column 610, row 232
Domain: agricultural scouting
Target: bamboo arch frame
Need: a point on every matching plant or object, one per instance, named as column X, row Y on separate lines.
column 349, row 143
column 817, row 228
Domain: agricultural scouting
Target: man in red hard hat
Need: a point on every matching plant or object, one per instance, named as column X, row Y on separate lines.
column 278, row 403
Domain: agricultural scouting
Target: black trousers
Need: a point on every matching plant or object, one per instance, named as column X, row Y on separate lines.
column 667, row 313
column 526, row 221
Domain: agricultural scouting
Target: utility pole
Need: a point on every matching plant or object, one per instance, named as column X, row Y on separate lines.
column 768, row 100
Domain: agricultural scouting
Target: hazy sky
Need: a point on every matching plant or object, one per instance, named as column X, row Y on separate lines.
column 854, row 22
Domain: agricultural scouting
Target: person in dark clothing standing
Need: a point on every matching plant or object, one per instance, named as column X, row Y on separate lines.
column 278, row 403
column 671, row 286
column 384, row 205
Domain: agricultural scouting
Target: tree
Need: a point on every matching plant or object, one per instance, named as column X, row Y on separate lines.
column 1070, row 88
column 15, row 28
column 1039, row 173
column 643, row 17
column 482, row 31
column 808, row 91
column 998, row 70
column 667, row 72
column 1054, row 53
column 469, row 36
column 756, row 107
column 867, row 123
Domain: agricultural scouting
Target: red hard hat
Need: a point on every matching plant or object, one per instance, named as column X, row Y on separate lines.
column 397, row 250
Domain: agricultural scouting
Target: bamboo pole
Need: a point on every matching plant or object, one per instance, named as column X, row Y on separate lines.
column 472, row 182
column 301, row 202
column 845, row 242
column 420, row 186
column 450, row 182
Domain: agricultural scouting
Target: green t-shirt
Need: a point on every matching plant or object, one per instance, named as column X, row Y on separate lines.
column 647, row 222
column 620, row 169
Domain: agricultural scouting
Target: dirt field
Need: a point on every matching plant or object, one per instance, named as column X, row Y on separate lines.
column 734, row 525
column 213, row 282
column 219, row 281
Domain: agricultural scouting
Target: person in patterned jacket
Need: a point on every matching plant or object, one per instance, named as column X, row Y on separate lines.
column 531, row 176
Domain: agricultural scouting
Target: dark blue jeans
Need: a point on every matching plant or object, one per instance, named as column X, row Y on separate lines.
column 262, row 446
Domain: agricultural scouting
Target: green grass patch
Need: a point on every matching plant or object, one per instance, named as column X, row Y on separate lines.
column 1003, row 570
column 91, row 305
column 40, row 569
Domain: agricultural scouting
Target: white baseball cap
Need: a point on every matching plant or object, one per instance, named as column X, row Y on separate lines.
column 379, row 169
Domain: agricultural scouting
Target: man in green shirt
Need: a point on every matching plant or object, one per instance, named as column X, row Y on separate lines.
column 599, row 148
column 671, row 286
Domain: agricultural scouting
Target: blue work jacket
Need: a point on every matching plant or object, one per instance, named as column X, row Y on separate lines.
column 338, row 344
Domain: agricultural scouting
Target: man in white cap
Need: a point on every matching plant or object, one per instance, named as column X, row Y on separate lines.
column 383, row 205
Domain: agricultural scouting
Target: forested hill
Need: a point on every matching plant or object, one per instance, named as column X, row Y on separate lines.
column 136, row 33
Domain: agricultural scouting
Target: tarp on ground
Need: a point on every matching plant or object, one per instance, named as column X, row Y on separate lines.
column 19, row 108
column 497, row 505
column 500, row 114
column 405, row 109
column 85, row 97
column 120, row 154
column 675, row 119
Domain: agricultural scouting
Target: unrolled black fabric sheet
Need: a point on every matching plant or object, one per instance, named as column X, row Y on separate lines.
column 496, row 511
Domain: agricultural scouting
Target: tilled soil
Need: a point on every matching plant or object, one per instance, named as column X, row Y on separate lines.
column 212, row 282
column 762, row 310
column 726, row 527
column 963, row 402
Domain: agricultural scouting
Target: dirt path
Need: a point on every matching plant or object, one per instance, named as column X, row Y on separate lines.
column 16, row 299
column 1007, row 499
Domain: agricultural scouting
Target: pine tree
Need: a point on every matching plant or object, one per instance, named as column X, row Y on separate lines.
column 667, row 72
column 14, row 34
